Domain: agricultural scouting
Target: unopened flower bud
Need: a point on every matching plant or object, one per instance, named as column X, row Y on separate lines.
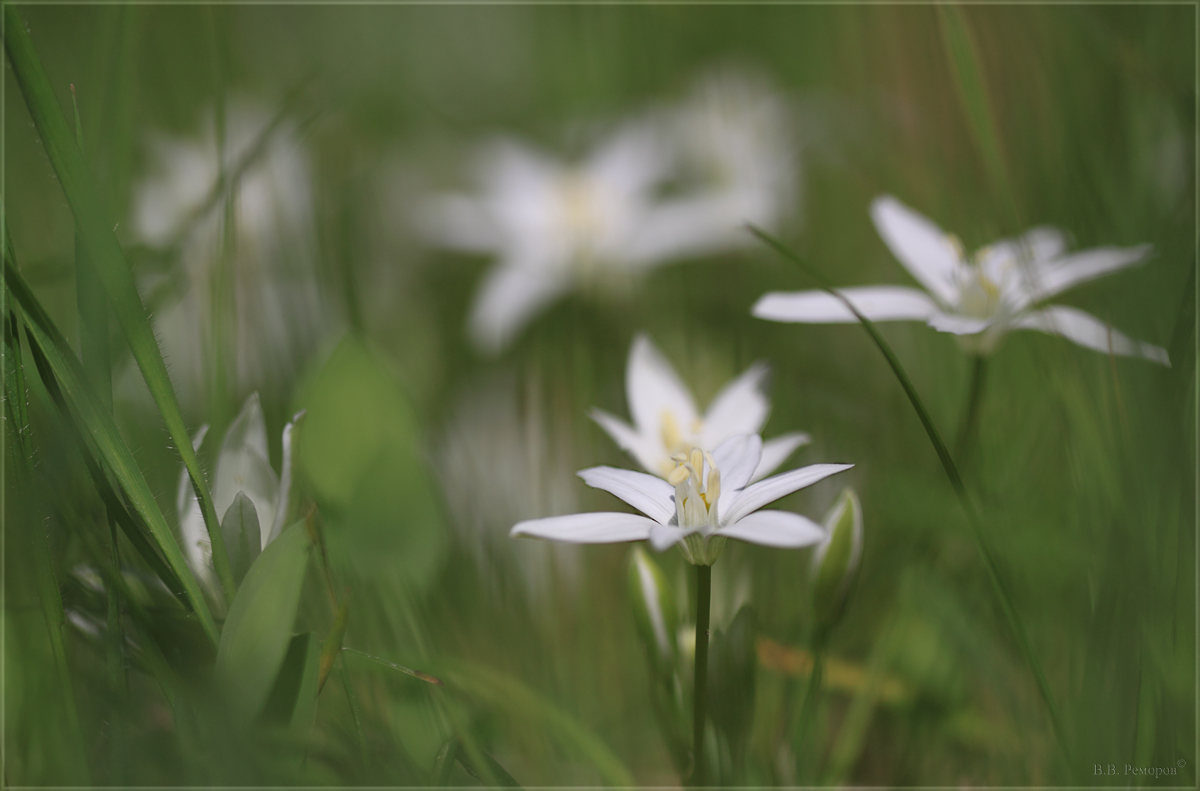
column 835, row 562
column 654, row 610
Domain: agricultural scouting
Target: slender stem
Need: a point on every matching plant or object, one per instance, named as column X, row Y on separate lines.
column 703, row 600
column 970, row 425
column 808, row 710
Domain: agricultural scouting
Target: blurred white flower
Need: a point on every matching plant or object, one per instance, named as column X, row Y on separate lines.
column 667, row 422
column 258, row 311
column 980, row 298
column 505, row 420
column 736, row 159
column 707, row 499
column 243, row 467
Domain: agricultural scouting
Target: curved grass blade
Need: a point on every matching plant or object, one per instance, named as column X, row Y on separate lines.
column 512, row 696
column 408, row 671
column 98, row 425
column 103, row 252
column 956, row 482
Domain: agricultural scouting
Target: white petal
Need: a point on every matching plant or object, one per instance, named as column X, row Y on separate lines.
column 740, row 408
column 877, row 303
column 959, row 325
column 924, row 249
column 285, row 483
column 652, row 496
column 775, row 529
column 508, row 299
column 648, row 450
column 192, row 532
column 665, row 536
column 654, row 390
column 459, row 223
column 775, row 452
column 1058, row 276
column 602, row 528
column 243, row 465
column 737, row 458
column 1089, row 332
column 756, row 495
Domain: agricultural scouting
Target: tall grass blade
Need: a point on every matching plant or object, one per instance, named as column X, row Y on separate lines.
column 956, row 482
column 103, row 252
column 100, row 432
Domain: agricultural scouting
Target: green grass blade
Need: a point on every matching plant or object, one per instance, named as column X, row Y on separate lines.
column 102, row 431
column 103, row 252
column 47, row 584
column 951, row 470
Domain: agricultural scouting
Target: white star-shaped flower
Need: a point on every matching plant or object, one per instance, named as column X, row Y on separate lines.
column 706, row 499
column 666, row 421
column 1001, row 288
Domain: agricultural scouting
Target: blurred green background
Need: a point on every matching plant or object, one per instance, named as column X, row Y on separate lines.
column 419, row 453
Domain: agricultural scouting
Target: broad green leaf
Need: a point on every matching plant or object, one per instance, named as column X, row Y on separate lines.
column 103, row 436
column 100, row 249
column 361, row 455
column 243, row 535
column 258, row 630
column 285, row 696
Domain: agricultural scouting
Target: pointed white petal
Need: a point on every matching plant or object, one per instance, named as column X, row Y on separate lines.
column 285, row 483
column 958, row 325
column 665, row 536
column 775, row 452
column 243, row 465
column 653, row 496
column 1089, row 332
column 737, row 458
column 756, row 495
column 601, row 528
column 654, row 390
column 648, row 450
column 1058, row 276
column 740, row 408
column 509, row 297
column 877, row 303
column 775, row 529
column 924, row 249
column 192, row 532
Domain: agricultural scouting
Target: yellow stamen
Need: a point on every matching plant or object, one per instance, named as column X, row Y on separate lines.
column 678, row 475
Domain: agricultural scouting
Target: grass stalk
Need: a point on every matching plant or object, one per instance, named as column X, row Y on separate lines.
column 970, row 424
column 999, row 589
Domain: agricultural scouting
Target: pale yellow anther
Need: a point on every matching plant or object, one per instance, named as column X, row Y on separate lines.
column 679, row 458
column 697, row 461
column 678, row 475
column 713, row 491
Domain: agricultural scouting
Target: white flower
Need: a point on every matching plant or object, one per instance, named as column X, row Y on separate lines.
column 265, row 297
column 707, row 499
column 552, row 226
column 243, row 467
column 999, row 289
column 733, row 146
column 667, row 422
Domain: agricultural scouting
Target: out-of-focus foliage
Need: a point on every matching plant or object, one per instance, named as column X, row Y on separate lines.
column 269, row 172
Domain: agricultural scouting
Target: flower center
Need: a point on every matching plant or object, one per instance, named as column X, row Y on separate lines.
column 695, row 494
column 675, row 440
column 582, row 217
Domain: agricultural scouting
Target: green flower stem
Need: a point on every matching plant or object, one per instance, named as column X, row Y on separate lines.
column 970, row 425
column 703, row 601
column 808, row 711
column 985, row 552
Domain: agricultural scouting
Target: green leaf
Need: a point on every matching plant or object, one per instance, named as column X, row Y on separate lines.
column 362, row 457
column 293, row 696
column 258, row 630
column 101, row 250
column 243, row 535
column 102, row 435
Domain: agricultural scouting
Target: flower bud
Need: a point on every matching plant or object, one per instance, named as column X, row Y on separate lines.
column 654, row 611
column 835, row 562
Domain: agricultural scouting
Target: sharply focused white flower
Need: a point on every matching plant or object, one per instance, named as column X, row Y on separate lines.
column 666, row 421
column 243, row 467
column 553, row 226
column 245, row 297
column 980, row 298
column 706, row 499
